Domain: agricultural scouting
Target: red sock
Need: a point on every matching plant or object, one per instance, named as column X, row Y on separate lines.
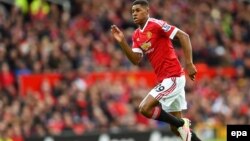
column 158, row 114
column 155, row 113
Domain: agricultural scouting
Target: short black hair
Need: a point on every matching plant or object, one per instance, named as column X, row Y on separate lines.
column 141, row 2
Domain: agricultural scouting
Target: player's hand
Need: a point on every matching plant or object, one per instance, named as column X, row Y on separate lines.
column 191, row 71
column 117, row 33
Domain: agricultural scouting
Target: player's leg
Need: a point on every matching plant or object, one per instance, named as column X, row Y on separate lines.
column 194, row 137
column 179, row 104
column 173, row 101
column 149, row 108
column 163, row 93
column 173, row 128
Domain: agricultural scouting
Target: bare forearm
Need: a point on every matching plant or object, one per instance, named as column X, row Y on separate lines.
column 132, row 56
column 119, row 36
column 187, row 47
column 187, row 50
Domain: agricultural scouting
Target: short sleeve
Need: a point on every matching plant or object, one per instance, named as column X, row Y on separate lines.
column 169, row 30
column 135, row 46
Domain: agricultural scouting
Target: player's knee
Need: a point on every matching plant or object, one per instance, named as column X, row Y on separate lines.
column 144, row 109
column 174, row 130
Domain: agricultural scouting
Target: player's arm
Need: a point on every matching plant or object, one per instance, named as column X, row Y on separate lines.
column 187, row 49
column 134, row 57
column 186, row 45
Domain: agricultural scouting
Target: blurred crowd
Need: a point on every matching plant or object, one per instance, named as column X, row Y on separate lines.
column 73, row 39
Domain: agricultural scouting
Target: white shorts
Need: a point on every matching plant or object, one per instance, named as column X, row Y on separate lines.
column 171, row 94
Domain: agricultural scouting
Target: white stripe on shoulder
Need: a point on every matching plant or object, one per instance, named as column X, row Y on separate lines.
column 159, row 22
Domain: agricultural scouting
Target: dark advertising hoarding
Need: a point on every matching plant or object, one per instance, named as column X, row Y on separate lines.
column 121, row 136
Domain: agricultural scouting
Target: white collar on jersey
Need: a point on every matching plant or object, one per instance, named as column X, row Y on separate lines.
column 144, row 25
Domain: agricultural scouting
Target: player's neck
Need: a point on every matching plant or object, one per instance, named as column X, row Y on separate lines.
column 141, row 26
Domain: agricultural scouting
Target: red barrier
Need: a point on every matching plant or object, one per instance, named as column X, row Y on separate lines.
column 147, row 76
column 33, row 82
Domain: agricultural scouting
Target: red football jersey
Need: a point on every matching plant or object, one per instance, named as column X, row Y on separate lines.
column 154, row 40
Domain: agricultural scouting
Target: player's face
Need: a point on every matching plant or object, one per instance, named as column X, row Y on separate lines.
column 139, row 14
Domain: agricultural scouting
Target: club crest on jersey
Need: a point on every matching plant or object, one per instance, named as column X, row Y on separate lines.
column 166, row 27
column 145, row 46
column 149, row 34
